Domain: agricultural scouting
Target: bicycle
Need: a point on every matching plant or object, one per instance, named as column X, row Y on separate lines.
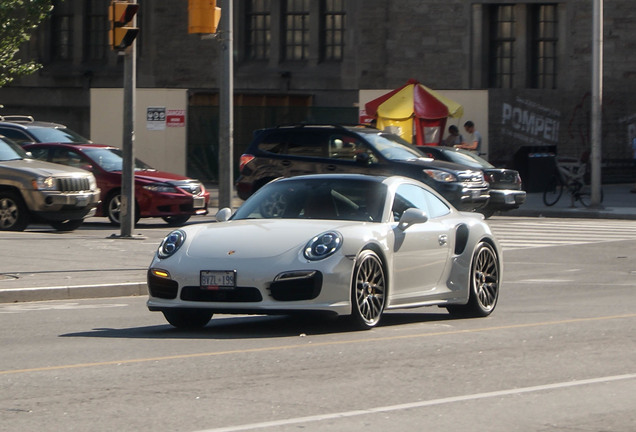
column 570, row 174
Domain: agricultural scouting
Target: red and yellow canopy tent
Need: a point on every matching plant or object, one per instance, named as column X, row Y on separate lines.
column 418, row 113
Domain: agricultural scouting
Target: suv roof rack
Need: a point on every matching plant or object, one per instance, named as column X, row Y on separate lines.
column 17, row 118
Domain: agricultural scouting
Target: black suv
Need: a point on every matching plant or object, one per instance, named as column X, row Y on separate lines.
column 26, row 130
column 287, row 151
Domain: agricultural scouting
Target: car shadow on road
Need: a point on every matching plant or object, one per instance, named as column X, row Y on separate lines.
column 253, row 327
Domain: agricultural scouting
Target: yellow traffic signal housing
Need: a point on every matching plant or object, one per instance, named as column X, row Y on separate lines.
column 120, row 14
column 203, row 16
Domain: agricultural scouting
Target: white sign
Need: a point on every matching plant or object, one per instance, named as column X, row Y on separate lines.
column 156, row 118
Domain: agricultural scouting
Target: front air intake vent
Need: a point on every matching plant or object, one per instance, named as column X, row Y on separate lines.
column 461, row 238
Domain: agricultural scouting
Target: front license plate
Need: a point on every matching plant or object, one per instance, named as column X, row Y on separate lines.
column 198, row 202
column 218, row 280
column 476, row 194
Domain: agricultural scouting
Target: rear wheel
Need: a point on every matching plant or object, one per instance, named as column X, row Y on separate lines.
column 14, row 215
column 553, row 191
column 585, row 195
column 66, row 225
column 368, row 291
column 484, row 284
column 113, row 208
column 188, row 319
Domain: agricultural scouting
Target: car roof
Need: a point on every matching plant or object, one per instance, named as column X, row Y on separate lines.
column 26, row 122
column 71, row 145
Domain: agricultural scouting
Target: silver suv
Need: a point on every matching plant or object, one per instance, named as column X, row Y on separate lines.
column 26, row 130
column 32, row 190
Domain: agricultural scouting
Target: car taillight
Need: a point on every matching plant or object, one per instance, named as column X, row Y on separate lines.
column 245, row 159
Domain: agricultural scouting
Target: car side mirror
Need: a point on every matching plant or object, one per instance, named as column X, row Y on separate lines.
column 223, row 214
column 412, row 216
column 362, row 158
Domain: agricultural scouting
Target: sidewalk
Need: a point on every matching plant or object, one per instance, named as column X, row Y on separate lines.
column 44, row 266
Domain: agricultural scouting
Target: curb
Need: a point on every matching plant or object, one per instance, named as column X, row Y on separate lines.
column 73, row 292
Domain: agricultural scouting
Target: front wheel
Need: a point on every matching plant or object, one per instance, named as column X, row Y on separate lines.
column 368, row 291
column 175, row 221
column 14, row 215
column 553, row 191
column 188, row 319
column 113, row 209
column 585, row 195
column 484, row 284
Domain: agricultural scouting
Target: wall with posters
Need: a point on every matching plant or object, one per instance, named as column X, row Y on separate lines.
column 160, row 125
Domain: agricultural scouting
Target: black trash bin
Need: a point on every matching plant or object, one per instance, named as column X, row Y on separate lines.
column 535, row 164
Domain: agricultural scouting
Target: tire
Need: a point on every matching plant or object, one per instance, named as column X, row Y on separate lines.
column 67, row 225
column 113, row 208
column 585, row 195
column 553, row 191
column 484, row 284
column 368, row 290
column 175, row 221
column 188, row 319
column 14, row 215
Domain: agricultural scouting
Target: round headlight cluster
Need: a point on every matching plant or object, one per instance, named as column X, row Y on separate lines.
column 171, row 243
column 323, row 245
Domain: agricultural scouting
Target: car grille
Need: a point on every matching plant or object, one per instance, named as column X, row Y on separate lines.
column 192, row 187
column 238, row 294
column 73, row 184
column 471, row 177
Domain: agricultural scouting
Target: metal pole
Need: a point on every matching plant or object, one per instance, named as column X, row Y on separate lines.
column 597, row 103
column 127, row 210
column 226, row 109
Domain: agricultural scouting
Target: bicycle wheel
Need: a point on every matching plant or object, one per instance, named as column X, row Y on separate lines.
column 553, row 191
column 585, row 195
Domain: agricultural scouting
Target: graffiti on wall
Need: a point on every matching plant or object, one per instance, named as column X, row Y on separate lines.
column 530, row 123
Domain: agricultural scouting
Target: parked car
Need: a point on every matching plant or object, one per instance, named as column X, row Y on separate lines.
column 343, row 244
column 172, row 197
column 25, row 130
column 505, row 184
column 32, row 190
column 287, row 151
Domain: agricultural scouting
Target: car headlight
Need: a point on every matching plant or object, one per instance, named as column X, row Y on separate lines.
column 171, row 243
column 440, row 176
column 322, row 246
column 161, row 187
column 92, row 182
column 45, row 183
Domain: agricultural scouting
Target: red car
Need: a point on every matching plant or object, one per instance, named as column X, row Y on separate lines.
column 172, row 197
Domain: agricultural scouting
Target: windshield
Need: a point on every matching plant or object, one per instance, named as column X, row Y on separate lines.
column 392, row 146
column 110, row 159
column 10, row 150
column 57, row 134
column 319, row 198
column 464, row 157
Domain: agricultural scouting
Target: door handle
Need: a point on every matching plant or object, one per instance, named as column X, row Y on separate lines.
column 286, row 163
column 442, row 239
column 331, row 167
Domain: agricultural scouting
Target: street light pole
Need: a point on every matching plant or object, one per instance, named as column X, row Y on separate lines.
column 226, row 109
column 597, row 103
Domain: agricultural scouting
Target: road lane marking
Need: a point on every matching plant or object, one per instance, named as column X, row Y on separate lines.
column 312, row 344
column 422, row 404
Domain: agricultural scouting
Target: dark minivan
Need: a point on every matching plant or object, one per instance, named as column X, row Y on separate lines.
column 287, row 151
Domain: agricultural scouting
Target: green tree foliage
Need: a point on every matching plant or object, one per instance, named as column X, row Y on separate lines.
column 18, row 19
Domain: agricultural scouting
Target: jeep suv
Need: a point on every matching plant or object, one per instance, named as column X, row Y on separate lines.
column 287, row 151
column 25, row 130
column 33, row 190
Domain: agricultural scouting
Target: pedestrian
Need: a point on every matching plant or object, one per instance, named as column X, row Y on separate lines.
column 453, row 138
column 473, row 140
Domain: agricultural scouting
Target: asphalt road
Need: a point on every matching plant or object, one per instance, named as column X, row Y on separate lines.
column 557, row 354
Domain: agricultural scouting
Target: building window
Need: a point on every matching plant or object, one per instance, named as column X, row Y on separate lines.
column 62, row 40
column 544, row 46
column 258, row 26
column 96, row 30
column 333, row 28
column 502, row 46
column 296, row 29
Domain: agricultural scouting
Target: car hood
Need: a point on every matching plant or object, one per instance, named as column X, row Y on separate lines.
column 427, row 163
column 159, row 176
column 41, row 168
column 262, row 238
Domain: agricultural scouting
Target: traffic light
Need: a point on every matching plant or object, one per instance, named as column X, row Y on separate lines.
column 120, row 14
column 203, row 16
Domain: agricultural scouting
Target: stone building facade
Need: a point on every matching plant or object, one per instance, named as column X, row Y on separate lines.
column 307, row 59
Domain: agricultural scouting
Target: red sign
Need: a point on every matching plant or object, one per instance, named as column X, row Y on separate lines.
column 175, row 118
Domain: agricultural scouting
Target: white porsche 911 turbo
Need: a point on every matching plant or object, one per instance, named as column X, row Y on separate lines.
column 343, row 244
